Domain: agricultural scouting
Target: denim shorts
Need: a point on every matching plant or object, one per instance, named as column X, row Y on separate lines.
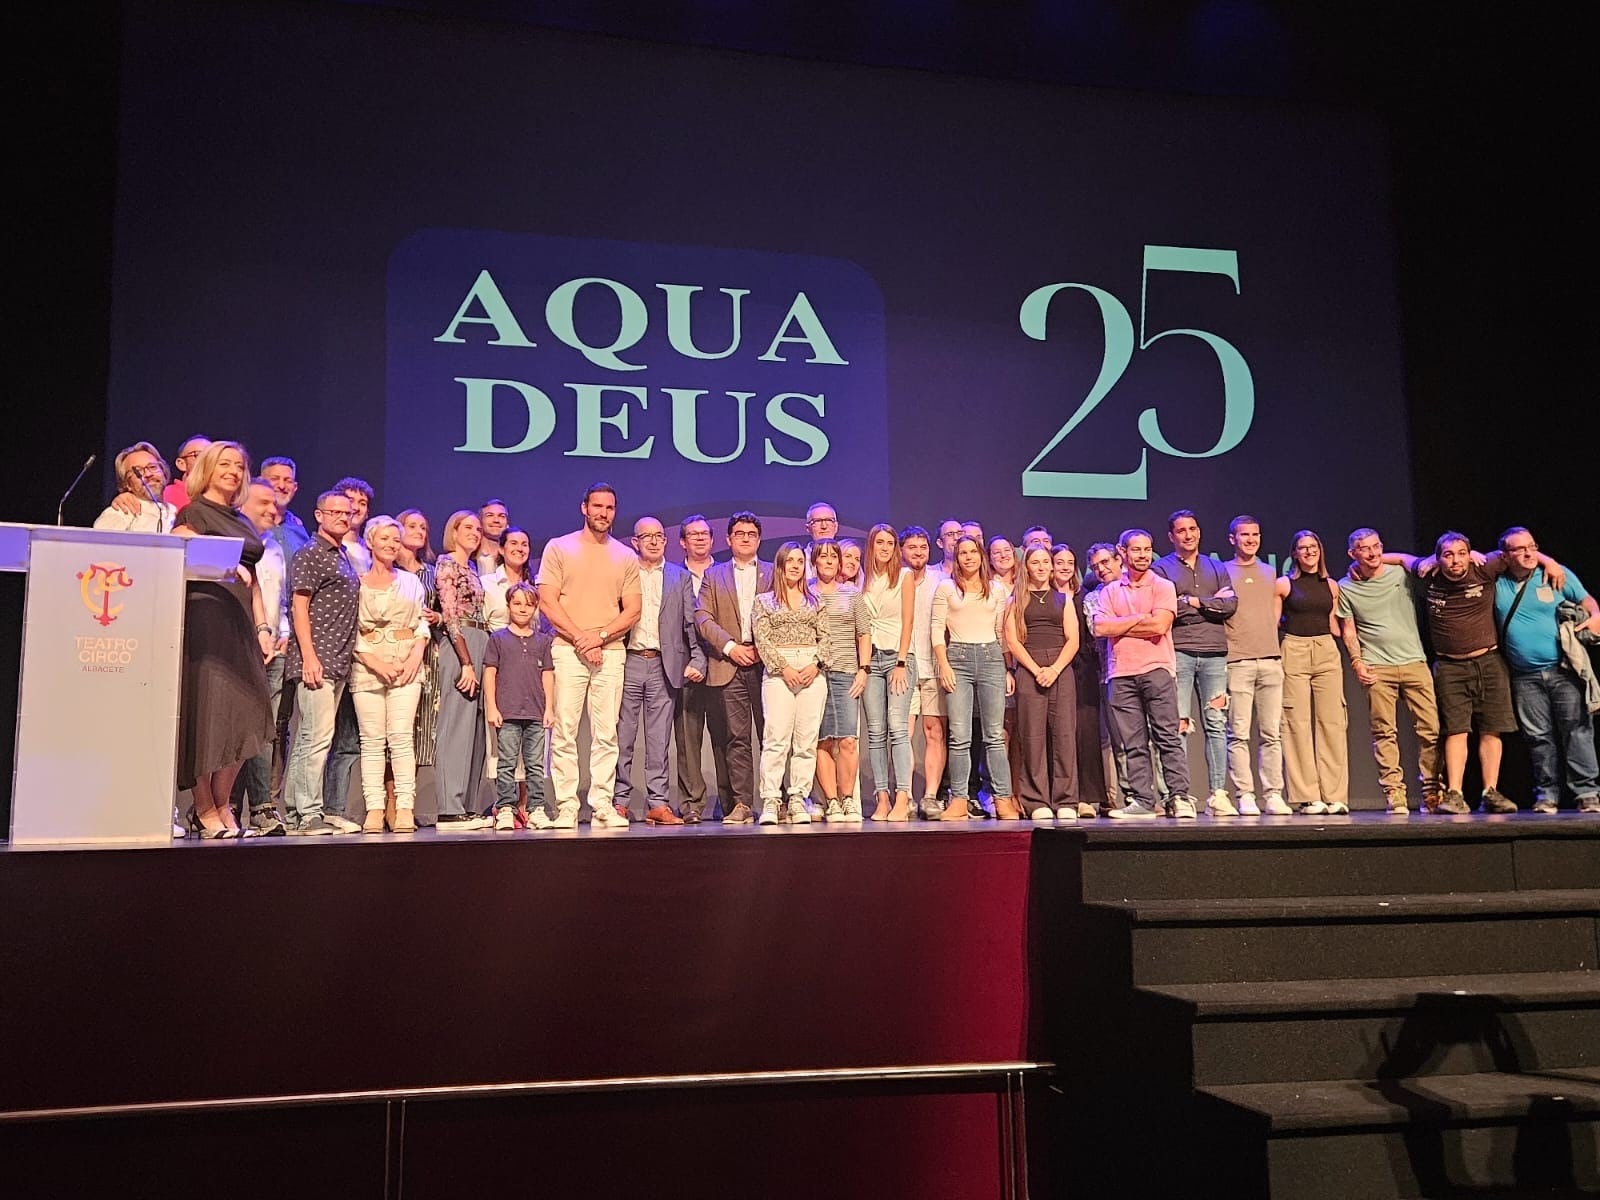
column 841, row 713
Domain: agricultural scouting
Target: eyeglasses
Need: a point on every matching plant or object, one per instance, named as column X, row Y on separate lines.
column 337, row 512
column 651, row 537
column 745, row 533
column 823, row 521
column 147, row 469
column 1529, row 548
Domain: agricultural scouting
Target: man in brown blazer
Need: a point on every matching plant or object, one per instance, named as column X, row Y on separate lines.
column 726, row 623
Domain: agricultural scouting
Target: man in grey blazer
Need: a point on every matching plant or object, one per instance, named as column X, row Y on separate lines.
column 725, row 619
column 663, row 651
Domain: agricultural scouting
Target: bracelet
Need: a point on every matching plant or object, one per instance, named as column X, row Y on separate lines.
column 901, row 663
column 861, row 669
column 263, row 628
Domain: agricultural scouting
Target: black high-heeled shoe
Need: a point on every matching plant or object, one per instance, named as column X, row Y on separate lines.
column 197, row 829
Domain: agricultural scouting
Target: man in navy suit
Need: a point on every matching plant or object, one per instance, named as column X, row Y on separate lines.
column 725, row 619
column 663, row 651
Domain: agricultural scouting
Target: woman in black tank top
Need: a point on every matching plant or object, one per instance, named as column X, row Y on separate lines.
column 1315, row 751
column 1042, row 635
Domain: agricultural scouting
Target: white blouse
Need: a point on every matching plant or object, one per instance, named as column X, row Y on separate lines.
column 388, row 622
column 882, row 604
column 967, row 617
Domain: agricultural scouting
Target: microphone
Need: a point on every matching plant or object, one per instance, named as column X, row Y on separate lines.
column 156, row 500
column 61, row 508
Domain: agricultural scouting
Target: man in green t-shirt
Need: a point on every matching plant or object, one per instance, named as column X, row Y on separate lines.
column 1378, row 619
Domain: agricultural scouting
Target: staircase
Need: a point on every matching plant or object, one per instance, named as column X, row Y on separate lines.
column 1364, row 1008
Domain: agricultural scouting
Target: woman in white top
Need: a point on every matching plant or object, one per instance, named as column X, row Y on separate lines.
column 891, row 611
column 385, row 676
column 515, row 550
column 1003, row 569
column 792, row 642
column 968, row 610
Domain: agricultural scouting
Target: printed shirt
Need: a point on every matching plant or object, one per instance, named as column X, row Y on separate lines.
column 323, row 572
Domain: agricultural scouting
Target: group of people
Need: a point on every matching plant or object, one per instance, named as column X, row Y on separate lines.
column 1058, row 697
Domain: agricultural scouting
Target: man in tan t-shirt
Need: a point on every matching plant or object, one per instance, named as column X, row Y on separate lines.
column 589, row 591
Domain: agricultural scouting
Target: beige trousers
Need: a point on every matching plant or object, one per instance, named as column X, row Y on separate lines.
column 1316, row 757
column 1413, row 684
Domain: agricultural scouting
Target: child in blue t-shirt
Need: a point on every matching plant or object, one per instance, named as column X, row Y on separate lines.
column 518, row 682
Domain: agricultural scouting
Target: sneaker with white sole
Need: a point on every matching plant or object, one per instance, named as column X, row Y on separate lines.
column 606, row 816
column 769, row 813
column 1338, row 808
column 566, row 816
column 1247, row 805
column 1275, row 806
column 340, row 824
column 834, row 811
column 930, row 808
column 505, row 820
column 1398, row 805
column 1589, row 804
column 1315, row 809
column 1067, row 812
column 1547, row 806
column 1218, row 805
column 1452, row 803
column 1042, row 813
column 852, row 809
column 539, row 819
column 799, row 814
column 461, row 823
column 1496, row 801
column 1180, row 807
column 1134, row 810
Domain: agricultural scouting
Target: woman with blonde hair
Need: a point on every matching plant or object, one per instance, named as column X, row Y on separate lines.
column 968, row 615
column 792, row 641
column 224, row 713
column 1042, row 635
column 1316, row 756
column 462, row 737
column 385, row 684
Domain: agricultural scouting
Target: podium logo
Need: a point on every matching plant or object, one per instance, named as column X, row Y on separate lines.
column 98, row 585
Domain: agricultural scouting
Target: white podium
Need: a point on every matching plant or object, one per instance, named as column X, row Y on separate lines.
column 97, row 713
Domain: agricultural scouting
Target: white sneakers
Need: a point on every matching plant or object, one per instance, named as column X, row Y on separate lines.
column 1315, row 809
column 1276, row 806
column 852, row 809
column 834, row 811
column 566, row 816
column 799, row 814
column 1042, row 813
column 605, row 816
column 1218, row 804
column 1181, row 808
column 769, row 813
column 1067, row 812
column 1247, row 805
column 505, row 820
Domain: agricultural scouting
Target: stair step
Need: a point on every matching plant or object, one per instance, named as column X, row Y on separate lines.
column 1298, row 856
column 1256, row 1032
column 1218, row 940
column 1300, row 997
column 1304, row 1106
column 1321, row 909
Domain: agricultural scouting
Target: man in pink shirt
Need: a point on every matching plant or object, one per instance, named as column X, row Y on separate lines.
column 1135, row 614
column 589, row 592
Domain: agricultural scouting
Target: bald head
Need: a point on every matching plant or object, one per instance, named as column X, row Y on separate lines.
column 649, row 541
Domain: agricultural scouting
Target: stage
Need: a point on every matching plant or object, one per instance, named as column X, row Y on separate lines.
column 656, row 1001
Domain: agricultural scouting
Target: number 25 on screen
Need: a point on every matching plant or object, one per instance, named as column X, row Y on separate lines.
column 1238, row 389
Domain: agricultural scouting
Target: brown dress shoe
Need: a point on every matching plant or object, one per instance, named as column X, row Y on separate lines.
column 662, row 815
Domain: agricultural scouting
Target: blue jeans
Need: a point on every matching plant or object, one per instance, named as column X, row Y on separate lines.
column 1556, row 722
column 1211, row 672
column 302, row 778
column 889, row 721
column 343, row 755
column 255, row 777
column 980, row 671
column 511, row 739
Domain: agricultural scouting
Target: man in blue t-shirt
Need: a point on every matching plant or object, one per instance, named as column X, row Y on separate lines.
column 1548, row 695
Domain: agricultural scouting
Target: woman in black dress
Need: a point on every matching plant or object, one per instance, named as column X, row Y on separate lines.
column 224, row 717
column 1087, row 687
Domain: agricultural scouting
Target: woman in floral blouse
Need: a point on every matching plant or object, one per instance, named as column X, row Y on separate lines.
column 459, row 753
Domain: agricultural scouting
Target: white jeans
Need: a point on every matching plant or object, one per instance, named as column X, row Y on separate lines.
column 790, row 735
column 581, row 688
column 387, row 718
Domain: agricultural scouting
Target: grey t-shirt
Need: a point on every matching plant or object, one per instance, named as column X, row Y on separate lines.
column 1385, row 616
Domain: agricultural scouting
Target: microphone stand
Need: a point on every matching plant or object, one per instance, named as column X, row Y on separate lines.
column 62, row 507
